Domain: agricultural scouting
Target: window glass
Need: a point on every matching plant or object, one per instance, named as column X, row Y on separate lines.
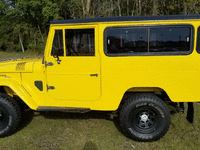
column 127, row 40
column 169, row 39
column 79, row 42
column 138, row 40
column 198, row 40
column 57, row 47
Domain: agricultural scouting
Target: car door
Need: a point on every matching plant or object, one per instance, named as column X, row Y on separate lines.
column 73, row 65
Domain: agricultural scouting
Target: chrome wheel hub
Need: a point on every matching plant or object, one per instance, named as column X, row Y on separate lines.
column 144, row 117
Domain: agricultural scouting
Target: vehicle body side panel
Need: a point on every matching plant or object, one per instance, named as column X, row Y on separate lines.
column 177, row 75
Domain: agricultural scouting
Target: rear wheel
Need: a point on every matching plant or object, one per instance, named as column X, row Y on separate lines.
column 144, row 117
column 9, row 115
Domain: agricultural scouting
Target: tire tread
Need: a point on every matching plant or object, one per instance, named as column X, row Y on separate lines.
column 136, row 98
column 10, row 102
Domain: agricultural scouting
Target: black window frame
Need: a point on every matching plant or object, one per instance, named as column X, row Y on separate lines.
column 198, row 40
column 150, row 53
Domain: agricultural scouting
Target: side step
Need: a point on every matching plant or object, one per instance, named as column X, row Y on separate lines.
column 63, row 109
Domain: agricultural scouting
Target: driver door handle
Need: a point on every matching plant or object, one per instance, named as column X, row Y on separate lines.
column 92, row 75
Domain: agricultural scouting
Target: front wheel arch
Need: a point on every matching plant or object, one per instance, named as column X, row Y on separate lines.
column 20, row 91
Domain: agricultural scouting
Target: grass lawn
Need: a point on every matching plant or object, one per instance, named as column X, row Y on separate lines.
column 93, row 131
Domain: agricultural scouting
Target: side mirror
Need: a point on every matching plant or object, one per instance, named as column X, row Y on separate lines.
column 57, row 53
column 58, row 60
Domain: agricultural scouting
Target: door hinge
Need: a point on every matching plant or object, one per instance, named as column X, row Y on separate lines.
column 50, row 87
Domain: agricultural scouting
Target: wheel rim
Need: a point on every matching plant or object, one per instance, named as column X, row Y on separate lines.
column 145, row 120
column 2, row 117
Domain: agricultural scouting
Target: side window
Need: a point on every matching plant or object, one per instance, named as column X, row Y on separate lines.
column 169, row 39
column 148, row 40
column 198, row 40
column 80, row 42
column 57, row 47
column 127, row 40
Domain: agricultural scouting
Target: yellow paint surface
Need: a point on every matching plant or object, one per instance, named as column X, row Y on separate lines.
column 177, row 75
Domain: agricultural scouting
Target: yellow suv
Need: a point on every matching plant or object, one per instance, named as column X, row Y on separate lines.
column 129, row 65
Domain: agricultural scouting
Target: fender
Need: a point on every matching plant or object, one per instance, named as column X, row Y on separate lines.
column 19, row 90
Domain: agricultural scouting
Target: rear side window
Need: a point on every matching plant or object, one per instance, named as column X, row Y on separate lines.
column 148, row 40
column 127, row 40
column 169, row 39
column 198, row 40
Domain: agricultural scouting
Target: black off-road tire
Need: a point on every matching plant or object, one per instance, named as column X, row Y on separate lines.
column 144, row 117
column 10, row 115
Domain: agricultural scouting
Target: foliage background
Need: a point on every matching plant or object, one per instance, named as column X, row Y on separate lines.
column 24, row 23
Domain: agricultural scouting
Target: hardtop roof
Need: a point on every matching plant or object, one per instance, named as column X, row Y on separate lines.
column 127, row 18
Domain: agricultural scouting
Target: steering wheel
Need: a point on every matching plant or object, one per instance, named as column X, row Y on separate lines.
column 70, row 47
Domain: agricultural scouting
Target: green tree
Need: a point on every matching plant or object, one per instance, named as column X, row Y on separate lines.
column 25, row 21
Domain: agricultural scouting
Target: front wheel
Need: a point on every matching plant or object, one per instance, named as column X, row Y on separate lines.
column 9, row 115
column 144, row 117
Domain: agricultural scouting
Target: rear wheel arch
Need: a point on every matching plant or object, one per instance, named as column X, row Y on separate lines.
column 161, row 93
